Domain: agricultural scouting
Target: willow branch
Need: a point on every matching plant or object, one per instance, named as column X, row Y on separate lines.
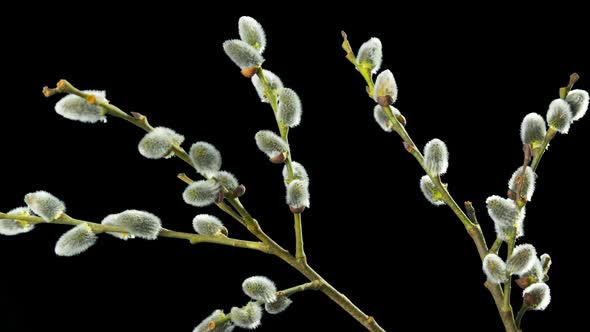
column 284, row 131
column 472, row 227
column 243, row 216
column 100, row 228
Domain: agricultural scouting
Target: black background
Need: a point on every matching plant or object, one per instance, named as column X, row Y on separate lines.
column 466, row 75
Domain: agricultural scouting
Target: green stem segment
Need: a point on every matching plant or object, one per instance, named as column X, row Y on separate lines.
column 523, row 309
column 508, row 284
column 540, row 151
column 496, row 246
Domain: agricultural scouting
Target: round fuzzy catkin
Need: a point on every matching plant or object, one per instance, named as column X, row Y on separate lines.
column 206, row 158
column 436, row 156
column 260, row 288
column 252, row 33
column 75, row 241
column 201, row 193
column 140, row 224
column 45, row 205
column 370, row 55
column 533, row 129
column 11, row 227
column 206, row 224
column 242, row 54
column 159, row 143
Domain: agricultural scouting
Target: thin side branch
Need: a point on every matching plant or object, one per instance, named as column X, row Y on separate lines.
column 100, row 228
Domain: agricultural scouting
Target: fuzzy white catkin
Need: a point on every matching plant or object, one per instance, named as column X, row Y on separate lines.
column 11, row 227
column 201, row 193
column 227, row 180
column 274, row 83
column 505, row 215
column 260, row 288
column 436, row 156
column 535, row 272
column 494, row 269
column 140, row 224
column 216, row 316
column 206, row 158
column 252, row 32
column 45, row 205
column 247, row 317
column 522, row 260
column 242, row 54
column 298, row 194
column 77, row 108
column 559, row 116
column 290, row 109
column 540, row 295
column 112, row 220
column 503, row 210
column 429, row 190
column 75, row 241
column 385, row 85
column 528, row 182
column 299, row 172
column 370, row 55
column 533, row 129
column 270, row 143
column 158, row 143
column 382, row 119
column 578, row 101
column 279, row 305
column 206, row 224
